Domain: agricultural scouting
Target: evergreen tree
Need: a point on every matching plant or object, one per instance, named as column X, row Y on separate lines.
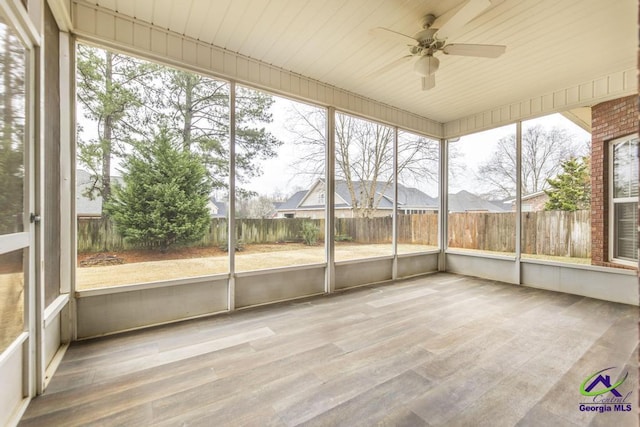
column 125, row 99
column 12, row 119
column 111, row 94
column 571, row 189
column 164, row 198
column 197, row 108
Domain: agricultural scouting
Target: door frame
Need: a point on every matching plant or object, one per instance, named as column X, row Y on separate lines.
column 18, row 360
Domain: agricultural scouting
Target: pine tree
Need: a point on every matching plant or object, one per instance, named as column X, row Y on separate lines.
column 163, row 200
column 123, row 99
column 12, row 119
column 197, row 109
column 111, row 96
column 571, row 189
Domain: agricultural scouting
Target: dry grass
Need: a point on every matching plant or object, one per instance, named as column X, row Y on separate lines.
column 254, row 257
column 565, row 259
column 11, row 307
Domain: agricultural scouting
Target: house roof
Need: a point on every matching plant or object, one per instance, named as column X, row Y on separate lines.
column 464, row 201
column 292, row 202
column 220, row 210
column 93, row 207
column 84, row 205
column 407, row 197
column 541, row 193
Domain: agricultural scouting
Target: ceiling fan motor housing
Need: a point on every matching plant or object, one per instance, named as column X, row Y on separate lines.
column 425, row 38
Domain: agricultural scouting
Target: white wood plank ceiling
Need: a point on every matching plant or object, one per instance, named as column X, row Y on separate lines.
column 551, row 44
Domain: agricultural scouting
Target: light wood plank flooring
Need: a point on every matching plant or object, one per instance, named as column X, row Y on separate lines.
column 436, row 350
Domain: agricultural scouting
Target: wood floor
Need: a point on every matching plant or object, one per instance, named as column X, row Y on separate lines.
column 437, row 350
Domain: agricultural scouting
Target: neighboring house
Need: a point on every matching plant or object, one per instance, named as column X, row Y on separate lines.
column 91, row 208
column 85, row 206
column 533, row 202
column 217, row 209
column 464, row 201
column 311, row 203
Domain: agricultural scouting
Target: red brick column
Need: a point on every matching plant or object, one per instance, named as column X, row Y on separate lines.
column 609, row 120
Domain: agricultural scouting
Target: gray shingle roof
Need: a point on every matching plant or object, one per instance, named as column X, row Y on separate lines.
column 89, row 207
column 463, row 201
column 407, row 197
column 292, row 202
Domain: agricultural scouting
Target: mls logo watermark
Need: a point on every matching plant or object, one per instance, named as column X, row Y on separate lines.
column 601, row 395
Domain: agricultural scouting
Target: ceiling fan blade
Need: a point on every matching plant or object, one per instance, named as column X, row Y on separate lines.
column 429, row 82
column 392, row 35
column 465, row 14
column 388, row 67
column 479, row 50
column 442, row 19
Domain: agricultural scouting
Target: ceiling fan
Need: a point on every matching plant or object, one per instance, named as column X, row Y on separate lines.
column 433, row 38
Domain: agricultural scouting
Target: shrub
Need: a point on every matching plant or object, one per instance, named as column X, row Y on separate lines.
column 163, row 201
column 310, row 233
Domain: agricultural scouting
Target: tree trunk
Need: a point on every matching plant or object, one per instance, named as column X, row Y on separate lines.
column 188, row 112
column 7, row 115
column 107, row 137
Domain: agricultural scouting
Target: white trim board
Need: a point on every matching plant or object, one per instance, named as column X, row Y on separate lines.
column 612, row 86
column 108, row 28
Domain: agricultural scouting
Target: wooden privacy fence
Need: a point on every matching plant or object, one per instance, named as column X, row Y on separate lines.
column 486, row 231
column 96, row 234
column 555, row 233
column 546, row 233
column 419, row 229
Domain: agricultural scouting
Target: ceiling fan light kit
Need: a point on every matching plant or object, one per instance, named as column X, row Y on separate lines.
column 429, row 41
column 426, row 65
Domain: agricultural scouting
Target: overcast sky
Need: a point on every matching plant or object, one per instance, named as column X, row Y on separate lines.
column 280, row 177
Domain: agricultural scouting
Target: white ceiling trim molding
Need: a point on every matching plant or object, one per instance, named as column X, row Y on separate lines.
column 61, row 13
column 105, row 27
column 612, row 86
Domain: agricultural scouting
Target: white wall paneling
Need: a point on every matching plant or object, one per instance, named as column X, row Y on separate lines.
column 116, row 311
column 414, row 264
column 608, row 284
column 495, row 268
column 361, row 272
column 612, row 86
column 12, row 401
column 268, row 286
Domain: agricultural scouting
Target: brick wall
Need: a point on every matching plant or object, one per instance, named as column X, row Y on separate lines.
column 609, row 120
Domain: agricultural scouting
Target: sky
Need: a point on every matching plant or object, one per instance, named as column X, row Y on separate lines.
column 477, row 149
column 279, row 176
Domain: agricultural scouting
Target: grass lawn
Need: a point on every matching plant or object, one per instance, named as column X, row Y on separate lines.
column 146, row 266
column 149, row 266
column 566, row 259
column 11, row 307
